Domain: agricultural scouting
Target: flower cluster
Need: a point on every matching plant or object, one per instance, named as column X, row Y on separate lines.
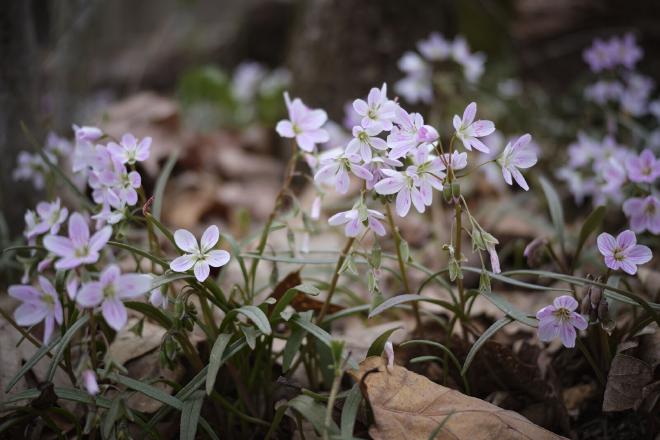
column 33, row 166
column 436, row 50
column 398, row 158
column 617, row 51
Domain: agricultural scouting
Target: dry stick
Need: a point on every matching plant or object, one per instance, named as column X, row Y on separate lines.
column 335, row 278
column 271, row 218
column 402, row 264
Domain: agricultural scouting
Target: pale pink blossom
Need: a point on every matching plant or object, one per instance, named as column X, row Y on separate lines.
column 199, row 256
column 517, row 156
column 50, row 218
column 304, row 124
column 110, row 290
column 364, row 140
column 129, row 150
column 644, row 213
column 644, row 168
column 335, row 168
column 37, row 305
column 389, row 352
column 90, row 383
column 78, row 248
column 623, row 252
column 469, row 131
column 377, row 111
column 355, row 219
column 560, row 320
column 405, row 186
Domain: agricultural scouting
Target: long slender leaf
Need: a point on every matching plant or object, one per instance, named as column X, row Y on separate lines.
column 313, row 412
column 556, row 210
column 292, row 347
column 138, row 251
column 590, row 225
column 378, row 345
column 190, row 413
column 110, row 418
column 349, row 412
column 509, row 309
column 254, row 314
column 64, row 342
column 41, row 352
column 514, row 282
column 490, row 331
column 161, row 183
column 216, row 361
column 401, row 299
column 148, row 390
column 151, row 312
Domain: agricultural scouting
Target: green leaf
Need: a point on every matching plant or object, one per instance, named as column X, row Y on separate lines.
column 141, row 252
column 590, row 225
column 190, row 413
column 277, row 419
column 292, row 347
column 254, row 314
column 313, row 412
column 349, row 412
column 161, row 183
column 556, row 210
column 207, row 428
column 41, row 352
column 236, row 253
column 312, row 328
column 505, row 279
column 347, row 312
column 64, row 342
column 289, row 295
column 508, row 308
column 378, row 345
column 215, row 360
column 308, row 289
column 250, row 334
column 110, row 417
column 148, row 390
column 151, row 312
column 401, row 299
column 490, row 331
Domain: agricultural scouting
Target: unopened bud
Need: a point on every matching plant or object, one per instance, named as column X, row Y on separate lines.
column 455, row 189
column 389, row 352
column 446, row 193
column 532, row 251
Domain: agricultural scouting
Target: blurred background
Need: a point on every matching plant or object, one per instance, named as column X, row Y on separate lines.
column 186, row 71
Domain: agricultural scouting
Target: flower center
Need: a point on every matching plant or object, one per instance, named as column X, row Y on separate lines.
column 618, row 254
column 363, row 137
column 372, row 114
column 296, row 129
column 82, row 251
column 562, row 314
column 646, row 171
column 109, row 291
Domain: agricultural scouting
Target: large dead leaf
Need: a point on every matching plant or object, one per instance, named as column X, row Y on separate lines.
column 409, row 406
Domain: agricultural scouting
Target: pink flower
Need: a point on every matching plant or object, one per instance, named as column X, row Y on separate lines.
column 389, row 352
column 468, row 130
column 336, row 166
column 378, row 111
column 304, row 124
column 644, row 213
column 37, row 305
column 515, row 157
column 376, row 166
column 623, row 252
column 364, row 139
column 405, row 186
column 354, row 220
column 90, row 383
column 435, row 47
column 158, row 299
column 51, row 217
column 78, row 248
column 87, row 133
column 409, row 133
column 315, row 212
column 645, row 168
column 109, row 291
column 560, row 319
column 129, row 150
column 200, row 255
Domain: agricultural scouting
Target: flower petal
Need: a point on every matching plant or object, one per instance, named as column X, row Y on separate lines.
column 606, row 244
column 217, row 258
column 567, row 334
column 132, row 285
column 626, row 239
column 186, row 241
column 566, row 302
column 78, row 230
column 548, row 329
column 90, row 294
column 25, row 293
column 114, row 312
column 100, row 239
column 210, row 238
column 202, row 271
column 30, row 314
column 182, row 263
column 638, row 254
column 60, row 246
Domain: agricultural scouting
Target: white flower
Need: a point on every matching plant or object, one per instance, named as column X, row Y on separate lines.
column 304, row 124
column 355, row 218
column 377, row 111
column 199, row 256
column 468, row 130
column 364, row 139
column 515, row 157
column 335, row 168
column 130, row 150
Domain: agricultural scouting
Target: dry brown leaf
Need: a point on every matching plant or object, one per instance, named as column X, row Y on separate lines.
column 409, row 406
column 128, row 346
column 625, row 381
column 300, row 302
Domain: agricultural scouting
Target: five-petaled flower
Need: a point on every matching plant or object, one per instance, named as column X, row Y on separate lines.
column 644, row 213
column 199, row 256
column 78, row 248
column 50, row 218
column 644, row 168
column 377, row 111
column 468, row 130
column 623, row 252
column 560, row 319
column 109, row 291
column 364, row 139
column 517, row 156
column 355, row 218
column 37, row 305
column 130, row 150
column 304, row 124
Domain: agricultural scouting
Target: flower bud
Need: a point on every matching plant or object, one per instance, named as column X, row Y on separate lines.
column 446, row 194
column 532, row 251
column 389, row 352
column 90, row 383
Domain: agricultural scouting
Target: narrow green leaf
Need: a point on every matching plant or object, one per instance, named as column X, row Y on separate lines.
column 490, row 331
column 148, row 390
column 161, row 183
column 141, row 252
column 207, row 428
column 556, row 210
column 151, row 312
column 277, row 419
column 378, row 345
column 508, row 308
column 254, row 314
column 292, row 347
column 64, row 342
column 349, row 412
column 314, row 413
column 190, row 413
column 514, row 282
column 110, row 418
column 590, row 225
column 401, row 299
column 215, row 360
column 41, row 352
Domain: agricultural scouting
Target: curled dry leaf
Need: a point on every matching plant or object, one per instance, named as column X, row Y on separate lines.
column 409, row 406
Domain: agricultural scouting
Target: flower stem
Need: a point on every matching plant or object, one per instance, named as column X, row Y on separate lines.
column 331, row 403
column 279, row 199
column 402, row 264
column 590, row 359
column 458, row 210
column 335, row 278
